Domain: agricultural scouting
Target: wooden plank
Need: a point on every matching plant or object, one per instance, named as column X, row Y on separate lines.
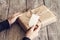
column 54, row 29
column 3, row 16
column 31, row 4
column 15, row 33
column 17, row 6
column 3, row 9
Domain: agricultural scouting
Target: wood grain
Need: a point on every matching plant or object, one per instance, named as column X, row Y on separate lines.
column 9, row 7
column 17, row 6
column 31, row 4
column 3, row 9
column 53, row 29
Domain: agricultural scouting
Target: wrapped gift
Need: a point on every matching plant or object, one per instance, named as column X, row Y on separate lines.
column 41, row 14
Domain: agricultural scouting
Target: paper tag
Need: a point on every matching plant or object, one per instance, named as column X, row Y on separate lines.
column 33, row 20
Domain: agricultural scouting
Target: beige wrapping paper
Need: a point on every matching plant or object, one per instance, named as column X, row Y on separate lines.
column 46, row 17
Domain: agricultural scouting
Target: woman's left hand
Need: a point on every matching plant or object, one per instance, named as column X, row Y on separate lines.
column 13, row 18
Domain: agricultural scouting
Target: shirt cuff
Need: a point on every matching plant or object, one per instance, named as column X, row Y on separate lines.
column 26, row 38
column 4, row 25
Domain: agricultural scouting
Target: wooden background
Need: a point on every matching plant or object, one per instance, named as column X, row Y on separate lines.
column 8, row 7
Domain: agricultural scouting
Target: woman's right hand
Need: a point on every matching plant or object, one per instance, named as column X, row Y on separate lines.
column 33, row 32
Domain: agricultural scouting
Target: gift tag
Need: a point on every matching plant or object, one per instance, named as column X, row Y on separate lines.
column 33, row 20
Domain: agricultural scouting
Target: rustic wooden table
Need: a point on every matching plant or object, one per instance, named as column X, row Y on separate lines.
column 8, row 7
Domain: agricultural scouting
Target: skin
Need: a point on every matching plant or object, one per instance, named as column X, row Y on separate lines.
column 32, row 33
column 13, row 18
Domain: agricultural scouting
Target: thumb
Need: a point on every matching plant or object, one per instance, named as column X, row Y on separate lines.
column 18, row 15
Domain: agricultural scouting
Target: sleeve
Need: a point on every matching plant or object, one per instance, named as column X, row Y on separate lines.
column 4, row 25
column 26, row 38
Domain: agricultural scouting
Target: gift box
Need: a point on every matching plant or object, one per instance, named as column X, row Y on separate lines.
column 46, row 17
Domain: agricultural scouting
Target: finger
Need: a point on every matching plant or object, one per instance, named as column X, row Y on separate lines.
column 20, row 15
column 39, row 24
column 35, row 27
column 38, row 27
column 17, row 15
column 32, row 28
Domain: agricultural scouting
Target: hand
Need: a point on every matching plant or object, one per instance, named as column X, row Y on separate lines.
column 13, row 18
column 33, row 32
